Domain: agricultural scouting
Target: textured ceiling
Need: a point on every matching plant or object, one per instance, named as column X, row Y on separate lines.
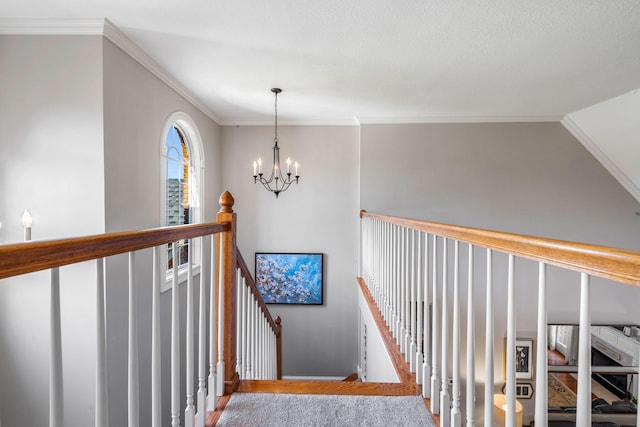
column 341, row 61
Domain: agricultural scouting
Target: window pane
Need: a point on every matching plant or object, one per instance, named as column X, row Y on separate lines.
column 178, row 209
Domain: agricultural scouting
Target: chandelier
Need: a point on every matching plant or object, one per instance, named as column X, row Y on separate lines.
column 277, row 181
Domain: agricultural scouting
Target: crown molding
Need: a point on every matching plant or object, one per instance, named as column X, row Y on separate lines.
column 319, row 122
column 117, row 37
column 51, row 26
column 458, row 119
column 600, row 156
column 101, row 27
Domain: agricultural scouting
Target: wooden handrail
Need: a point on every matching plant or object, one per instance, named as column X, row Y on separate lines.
column 22, row 258
column 610, row 263
column 242, row 265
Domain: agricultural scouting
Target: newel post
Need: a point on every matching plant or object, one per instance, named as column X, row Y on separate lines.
column 278, row 323
column 227, row 248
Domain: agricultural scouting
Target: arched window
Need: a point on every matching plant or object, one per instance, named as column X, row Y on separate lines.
column 181, row 188
column 177, row 207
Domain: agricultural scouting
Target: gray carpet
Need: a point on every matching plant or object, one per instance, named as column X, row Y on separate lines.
column 312, row 410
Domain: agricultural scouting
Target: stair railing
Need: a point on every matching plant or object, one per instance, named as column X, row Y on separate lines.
column 216, row 325
column 259, row 345
column 406, row 265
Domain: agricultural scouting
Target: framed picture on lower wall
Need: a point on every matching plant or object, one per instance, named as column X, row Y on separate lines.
column 523, row 390
column 290, row 278
column 523, row 359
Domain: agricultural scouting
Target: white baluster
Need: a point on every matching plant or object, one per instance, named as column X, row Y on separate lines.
column 102, row 400
column 263, row 338
column 396, row 284
column 175, row 341
column 258, row 361
column 510, row 388
column 456, row 415
column 444, row 387
column 541, row 417
column 403, row 294
column 488, row 345
column 220, row 367
column 156, row 349
column 376, row 265
column 435, row 366
column 419, row 312
column 407, row 300
column 471, row 355
column 240, row 283
column 133, row 379
column 250, row 344
column 426, row 358
column 201, row 397
column 56, row 396
column 190, row 410
column 583, row 410
column 413, row 301
column 211, row 387
column 243, row 339
column 388, row 276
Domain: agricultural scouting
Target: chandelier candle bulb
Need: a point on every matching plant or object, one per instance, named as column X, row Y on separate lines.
column 255, row 166
column 27, row 221
column 259, row 164
column 288, row 165
column 296, row 166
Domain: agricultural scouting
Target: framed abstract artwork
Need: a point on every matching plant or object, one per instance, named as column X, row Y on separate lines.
column 523, row 359
column 290, row 278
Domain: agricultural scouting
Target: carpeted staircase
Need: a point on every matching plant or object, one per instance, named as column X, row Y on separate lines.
column 281, row 410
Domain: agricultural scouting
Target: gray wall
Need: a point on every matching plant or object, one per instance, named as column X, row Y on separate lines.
column 318, row 215
column 136, row 106
column 530, row 178
column 51, row 162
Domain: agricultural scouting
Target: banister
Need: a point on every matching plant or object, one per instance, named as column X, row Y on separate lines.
column 226, row 247
column 22, row 258
column 610, row 263
column 251, row 284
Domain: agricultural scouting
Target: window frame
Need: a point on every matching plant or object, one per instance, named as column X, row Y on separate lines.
column 192, row 139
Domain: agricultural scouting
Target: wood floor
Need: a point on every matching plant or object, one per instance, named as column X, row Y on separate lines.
column 568, row 379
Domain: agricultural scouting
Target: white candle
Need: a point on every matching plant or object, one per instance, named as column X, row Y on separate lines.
column 259, row 164
column 27, row 221
column 296, row 166
column 255, row 165
column 288, row 164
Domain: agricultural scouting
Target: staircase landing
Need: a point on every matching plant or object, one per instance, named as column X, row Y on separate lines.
column 315, row 387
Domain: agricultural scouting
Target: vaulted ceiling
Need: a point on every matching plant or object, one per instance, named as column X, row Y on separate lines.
column 378, row 60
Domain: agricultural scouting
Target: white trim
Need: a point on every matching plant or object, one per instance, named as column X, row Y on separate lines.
column 52, row 26
column 459, row 119
column 196, row 157
column 182, row 276
column 399, row 120
column 319, row 122
column 600, row 156
column 101, row 27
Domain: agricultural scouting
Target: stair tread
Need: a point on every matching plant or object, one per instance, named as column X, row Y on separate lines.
column 327, row 387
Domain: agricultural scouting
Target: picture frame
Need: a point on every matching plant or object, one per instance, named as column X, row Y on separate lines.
column 290, row 278
column 523, row 390
column 523, row 359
